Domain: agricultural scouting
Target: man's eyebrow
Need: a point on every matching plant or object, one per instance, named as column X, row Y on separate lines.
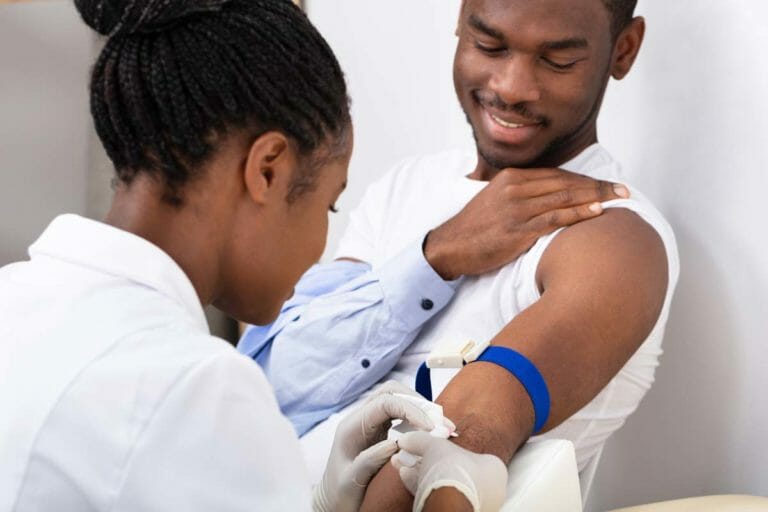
column 477, row 23
column 573, row 43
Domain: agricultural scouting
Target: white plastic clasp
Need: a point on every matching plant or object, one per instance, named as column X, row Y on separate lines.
column 455, row 355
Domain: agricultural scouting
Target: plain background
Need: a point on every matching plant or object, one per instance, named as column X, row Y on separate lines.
column 689, row 124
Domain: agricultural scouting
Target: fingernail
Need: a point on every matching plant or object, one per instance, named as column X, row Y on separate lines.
column 596, row 208
column 621, row 191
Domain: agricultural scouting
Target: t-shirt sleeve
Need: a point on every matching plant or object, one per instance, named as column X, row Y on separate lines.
column 216, row 442
column 528, row 292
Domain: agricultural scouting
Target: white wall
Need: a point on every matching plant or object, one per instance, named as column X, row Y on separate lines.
column 45, row 52
column 51, row 161
column 690, row 125
column 397, row 55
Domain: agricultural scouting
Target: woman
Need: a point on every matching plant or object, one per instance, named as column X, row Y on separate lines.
column 229, row 128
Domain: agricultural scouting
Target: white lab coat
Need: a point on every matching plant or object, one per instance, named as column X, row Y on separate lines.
column 113, row 396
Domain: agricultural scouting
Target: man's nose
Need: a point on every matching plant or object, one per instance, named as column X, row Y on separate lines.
column 515, row 81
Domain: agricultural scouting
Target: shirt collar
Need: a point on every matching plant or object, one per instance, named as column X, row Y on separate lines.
column 119, row 253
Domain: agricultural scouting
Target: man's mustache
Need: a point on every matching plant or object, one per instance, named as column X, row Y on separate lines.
column 492, row 100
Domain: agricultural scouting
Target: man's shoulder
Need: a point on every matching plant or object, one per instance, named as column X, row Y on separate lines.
column 636, row 213
column 622, row 242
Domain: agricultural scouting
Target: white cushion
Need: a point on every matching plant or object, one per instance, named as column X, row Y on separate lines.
column 543, row 476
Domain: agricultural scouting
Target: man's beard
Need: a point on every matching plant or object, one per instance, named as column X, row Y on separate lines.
column 500, row 164
column 546, row 154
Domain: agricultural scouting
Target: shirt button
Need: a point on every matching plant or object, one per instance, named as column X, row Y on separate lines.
column 365, row 363
column 427, row 304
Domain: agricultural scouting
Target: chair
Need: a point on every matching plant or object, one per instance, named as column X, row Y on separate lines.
column 543, row 477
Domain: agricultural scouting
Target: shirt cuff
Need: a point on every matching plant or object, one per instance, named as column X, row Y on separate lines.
column 412, row 289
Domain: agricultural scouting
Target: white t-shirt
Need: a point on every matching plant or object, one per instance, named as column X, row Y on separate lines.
column 422, row 193
column 115, row 397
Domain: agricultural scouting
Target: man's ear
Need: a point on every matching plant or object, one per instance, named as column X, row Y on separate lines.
column 269, row 167
column 627, row 47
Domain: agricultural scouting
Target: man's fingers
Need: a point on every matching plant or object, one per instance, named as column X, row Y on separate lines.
column 602, row 190
column 567, row 198
column 555, row 219
column 538, row 173
column 610, row 190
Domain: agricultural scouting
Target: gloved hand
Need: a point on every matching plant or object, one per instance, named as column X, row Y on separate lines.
column 481, row 478
column 361, row 448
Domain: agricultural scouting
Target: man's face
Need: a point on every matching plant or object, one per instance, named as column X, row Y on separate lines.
column 530, row 76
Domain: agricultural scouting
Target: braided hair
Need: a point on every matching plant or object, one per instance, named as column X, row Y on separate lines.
column 175, row 75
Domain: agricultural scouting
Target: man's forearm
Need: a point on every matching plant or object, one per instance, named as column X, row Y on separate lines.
column 467, row 402
column 497, row 422
column 447, row 499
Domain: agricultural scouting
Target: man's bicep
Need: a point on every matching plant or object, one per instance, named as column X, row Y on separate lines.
column 604, row 283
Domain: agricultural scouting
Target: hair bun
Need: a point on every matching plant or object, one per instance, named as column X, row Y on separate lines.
column 112, row 17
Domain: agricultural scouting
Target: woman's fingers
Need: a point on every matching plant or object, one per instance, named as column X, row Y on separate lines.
column 368, row 463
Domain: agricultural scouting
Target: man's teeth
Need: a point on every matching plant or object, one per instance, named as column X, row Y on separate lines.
column 505, row 123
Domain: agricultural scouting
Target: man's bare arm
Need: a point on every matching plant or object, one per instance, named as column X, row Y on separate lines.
column 603, row 286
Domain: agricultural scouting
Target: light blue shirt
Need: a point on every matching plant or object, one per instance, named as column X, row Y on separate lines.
column 343, row 330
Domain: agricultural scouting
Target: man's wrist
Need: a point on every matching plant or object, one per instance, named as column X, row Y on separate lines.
column 437, row 257
column 412, row 290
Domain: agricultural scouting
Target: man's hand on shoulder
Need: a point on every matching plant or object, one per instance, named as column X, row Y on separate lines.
column 507, row 217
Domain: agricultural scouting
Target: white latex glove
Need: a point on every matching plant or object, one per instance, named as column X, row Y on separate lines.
column 481, row 478
column 361, row 448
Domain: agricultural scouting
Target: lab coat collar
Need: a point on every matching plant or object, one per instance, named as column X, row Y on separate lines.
column 119, row 253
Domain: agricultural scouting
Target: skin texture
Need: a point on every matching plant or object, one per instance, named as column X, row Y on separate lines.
column 236, row 236
column 602, row 281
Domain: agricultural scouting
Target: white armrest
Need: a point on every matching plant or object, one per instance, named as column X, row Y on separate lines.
column 543, row 476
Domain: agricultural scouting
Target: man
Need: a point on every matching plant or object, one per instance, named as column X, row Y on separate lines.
column 459, row 246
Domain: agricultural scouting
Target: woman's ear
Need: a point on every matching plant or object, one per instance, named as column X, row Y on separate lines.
column 269, row 167
column 627, row 47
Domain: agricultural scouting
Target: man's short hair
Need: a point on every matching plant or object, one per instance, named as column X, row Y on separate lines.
column 621, row 12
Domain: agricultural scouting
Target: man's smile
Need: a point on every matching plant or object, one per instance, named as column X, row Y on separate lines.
column 508, row 128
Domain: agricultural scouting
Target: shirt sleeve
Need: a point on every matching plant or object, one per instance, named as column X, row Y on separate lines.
column 216, row 442
column 345, row 329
